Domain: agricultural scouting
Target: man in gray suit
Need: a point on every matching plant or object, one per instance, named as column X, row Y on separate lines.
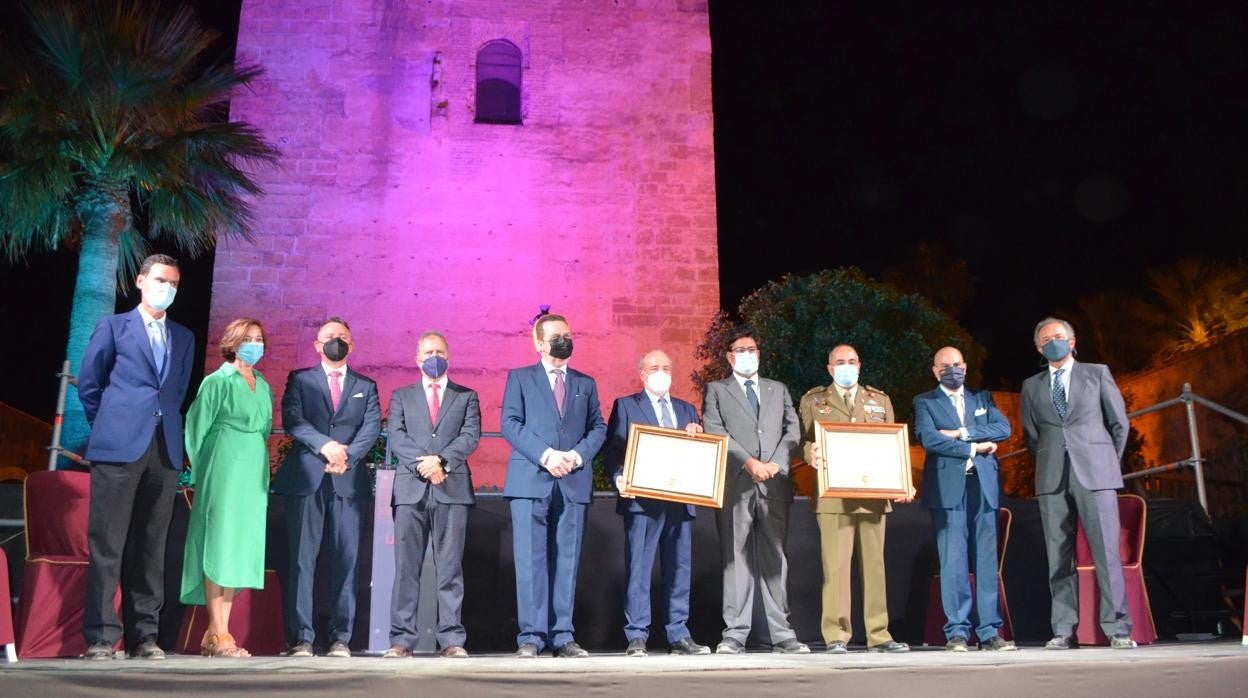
column 1076, row 428
column 434, row 426
column 763, row 436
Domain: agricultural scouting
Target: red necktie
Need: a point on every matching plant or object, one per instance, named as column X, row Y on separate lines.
column 335, row 389
column 435, row 403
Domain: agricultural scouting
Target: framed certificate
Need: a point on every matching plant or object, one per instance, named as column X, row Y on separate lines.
column 863, row 460
column 671, row 465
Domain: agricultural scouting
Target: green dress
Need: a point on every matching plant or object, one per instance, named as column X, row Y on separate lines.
column 227, row 431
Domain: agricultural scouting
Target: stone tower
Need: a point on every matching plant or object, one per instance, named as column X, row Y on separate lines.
column 454, row 164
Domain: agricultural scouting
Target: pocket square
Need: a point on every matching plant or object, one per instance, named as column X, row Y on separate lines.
column 362, row 395
column 981, row 411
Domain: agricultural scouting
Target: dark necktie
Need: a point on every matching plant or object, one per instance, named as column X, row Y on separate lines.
column 1059, row 393
column 752, row 396
column 665, row 414
column 561, row 390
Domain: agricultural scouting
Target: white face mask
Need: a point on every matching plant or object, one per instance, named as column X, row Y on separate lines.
column 747, row 364
column 160, row 294
column 659, row 382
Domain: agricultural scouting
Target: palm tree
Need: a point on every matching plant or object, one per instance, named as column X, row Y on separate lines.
column 111, row 112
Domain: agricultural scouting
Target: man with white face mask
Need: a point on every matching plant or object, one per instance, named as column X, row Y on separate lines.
column 652, row 526
column 846, row 523
column 763, row 436
column 132, row 382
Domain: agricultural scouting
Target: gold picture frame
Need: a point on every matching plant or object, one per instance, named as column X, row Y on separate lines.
column 674, row 466
column 864, row 460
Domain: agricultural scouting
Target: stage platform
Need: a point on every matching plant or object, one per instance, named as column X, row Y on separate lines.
column 1204, row 670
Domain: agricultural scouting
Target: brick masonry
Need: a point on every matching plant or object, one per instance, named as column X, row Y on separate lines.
column 393, row 209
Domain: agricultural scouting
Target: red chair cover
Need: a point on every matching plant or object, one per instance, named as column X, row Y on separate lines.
column 934, row 629
column 54, row 586
column 1133, row 516
column 6, row 608
column 255, row 621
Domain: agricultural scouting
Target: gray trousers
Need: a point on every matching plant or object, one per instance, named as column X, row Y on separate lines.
column 752, row 534
column 1097, row 510
column 415, row 526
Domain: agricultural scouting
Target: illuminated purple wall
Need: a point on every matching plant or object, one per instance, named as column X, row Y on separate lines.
column 398, row 212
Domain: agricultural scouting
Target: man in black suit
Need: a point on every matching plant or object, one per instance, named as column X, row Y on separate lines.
column 434, row 425
column 1076, row 426
column 334, row 416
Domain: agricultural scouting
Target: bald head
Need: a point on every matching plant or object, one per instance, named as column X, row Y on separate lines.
column 947, row 364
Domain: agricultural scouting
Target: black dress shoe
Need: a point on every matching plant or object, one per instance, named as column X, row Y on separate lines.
column 686, row 645
column 891, row 646
column 148, row 649
column 957, row 643
column 527, row 651
column 302, row 648
column 996, row 643
column 729, row 646
column 99, row 650
column 636, row 648
column 837, row 647
column 570, row 650
column 1061, row 642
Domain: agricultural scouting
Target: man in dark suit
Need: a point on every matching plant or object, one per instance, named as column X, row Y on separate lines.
column 1076, row 426
column 763, row 436
column 334, row 416
column 434, row 425
column 552, row 419
column 132, row 382
column 652, row 526
column 959, row 429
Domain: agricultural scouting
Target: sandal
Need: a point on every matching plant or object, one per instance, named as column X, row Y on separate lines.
column 221, row 645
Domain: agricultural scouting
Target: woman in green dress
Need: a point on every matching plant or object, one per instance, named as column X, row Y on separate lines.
column 227, row 430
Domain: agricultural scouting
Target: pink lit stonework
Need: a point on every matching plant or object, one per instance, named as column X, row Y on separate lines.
column 395, row 210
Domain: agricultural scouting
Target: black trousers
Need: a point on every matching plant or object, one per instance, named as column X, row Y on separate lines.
column 127, row 524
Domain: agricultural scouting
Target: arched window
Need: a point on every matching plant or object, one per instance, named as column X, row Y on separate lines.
column 498, row 83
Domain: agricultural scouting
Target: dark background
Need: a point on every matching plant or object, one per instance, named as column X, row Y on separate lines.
column 1059, row 149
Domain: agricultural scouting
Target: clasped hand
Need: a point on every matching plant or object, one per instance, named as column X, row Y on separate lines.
column 760, row 471
column 336, row 457
column 430, row 468
column 560, row 463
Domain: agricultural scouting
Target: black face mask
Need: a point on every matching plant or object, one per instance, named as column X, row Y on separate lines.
column 335, row 349
column 561, row 347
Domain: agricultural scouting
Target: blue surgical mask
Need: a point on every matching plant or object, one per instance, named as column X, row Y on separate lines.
column 160, row 294
column 250, row 352
column 1056, row 349
column 953, row 377
column 845, row 375
column 434, row 366
column 747, row 363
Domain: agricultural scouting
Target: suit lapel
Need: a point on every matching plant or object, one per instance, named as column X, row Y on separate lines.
column 1045, row 395
column 1078, row 387
column 946, row 405
column 541, row 385
column 452, row 394
column 138, row 334
column 646, row 408
column 321, row 382
column 769, row 399
column 735, row 389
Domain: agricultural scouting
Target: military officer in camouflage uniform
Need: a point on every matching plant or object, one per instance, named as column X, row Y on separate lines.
column 844, row 523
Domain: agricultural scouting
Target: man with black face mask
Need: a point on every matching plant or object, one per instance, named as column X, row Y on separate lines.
column 1076, row 427
column 553, row 422
column 960, row 428
column 334, row 416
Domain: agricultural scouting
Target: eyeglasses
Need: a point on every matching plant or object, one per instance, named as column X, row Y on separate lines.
column 744, row 350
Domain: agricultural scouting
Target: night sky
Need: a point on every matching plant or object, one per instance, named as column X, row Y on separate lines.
column 1058, row 149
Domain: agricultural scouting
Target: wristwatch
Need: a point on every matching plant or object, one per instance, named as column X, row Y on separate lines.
column 442, row 461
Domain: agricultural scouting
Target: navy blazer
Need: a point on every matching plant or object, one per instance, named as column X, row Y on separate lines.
column 531, row 424
column 454, row 437
column 123, row 395
column 308, row 417
column 944, row 467
column 637, row 409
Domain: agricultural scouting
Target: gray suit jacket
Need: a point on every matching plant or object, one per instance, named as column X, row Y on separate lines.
column 774, row 436
column 1094, row 433
column 454, row 438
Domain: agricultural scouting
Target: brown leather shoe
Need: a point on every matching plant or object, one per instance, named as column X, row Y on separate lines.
column 455, row 652
column 397, row 652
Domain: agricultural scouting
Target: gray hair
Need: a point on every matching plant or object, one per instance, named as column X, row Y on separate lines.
column 1035, row 334
column 641, row 363
column 433, row 333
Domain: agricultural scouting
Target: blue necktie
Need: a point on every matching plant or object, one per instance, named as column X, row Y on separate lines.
column 160, row 349
column 665, row 415
column 1059, row 393
column 752, row 396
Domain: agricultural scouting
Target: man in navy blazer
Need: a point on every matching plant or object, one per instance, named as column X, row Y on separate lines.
column 651, row 525
column 334, row 416
column 552, row 419
column 960, row 428
column 434, row 425
column 132, row 382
